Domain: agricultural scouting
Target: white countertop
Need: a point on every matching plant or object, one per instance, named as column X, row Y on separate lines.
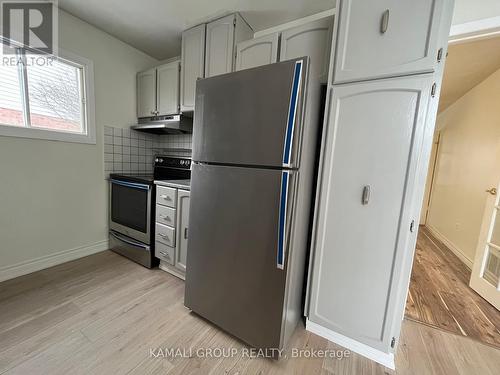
column 180, row 184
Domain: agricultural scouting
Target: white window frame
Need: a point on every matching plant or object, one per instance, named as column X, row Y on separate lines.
column 88, row 109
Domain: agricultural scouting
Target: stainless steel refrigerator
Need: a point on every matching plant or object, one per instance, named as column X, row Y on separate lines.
column 254, row 144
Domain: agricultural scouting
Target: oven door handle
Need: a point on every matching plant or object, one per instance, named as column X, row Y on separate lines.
column 129, row 241
column 131, row 185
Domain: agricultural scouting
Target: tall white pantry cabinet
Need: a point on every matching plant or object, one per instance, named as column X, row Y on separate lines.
column 384, row 80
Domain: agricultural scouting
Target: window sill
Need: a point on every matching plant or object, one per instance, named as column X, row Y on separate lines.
column 49, row 135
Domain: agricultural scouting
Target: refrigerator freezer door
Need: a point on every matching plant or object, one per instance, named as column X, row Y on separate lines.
column 236, row 272
column 251, row 117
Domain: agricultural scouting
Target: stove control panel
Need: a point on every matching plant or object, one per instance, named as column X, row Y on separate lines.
column 172, row 162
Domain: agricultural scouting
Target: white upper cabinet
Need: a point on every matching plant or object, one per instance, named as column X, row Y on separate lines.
column 383, row 38
column 312, row 39
column 167, row 88
column 219, row 47
column 222, row 36
column 256, row 52
column 193, row 64
column 146, row 93
column 364, row 213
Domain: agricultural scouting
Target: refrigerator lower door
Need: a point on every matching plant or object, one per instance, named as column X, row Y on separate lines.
column 251, row 117
column 236, row 265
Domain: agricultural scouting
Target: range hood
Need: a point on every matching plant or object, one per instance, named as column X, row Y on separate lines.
column 176, row 124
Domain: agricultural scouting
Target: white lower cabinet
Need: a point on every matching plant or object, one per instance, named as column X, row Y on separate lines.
column 165, row 253
column 182, row 232
column 172, row 221
column 365, row 213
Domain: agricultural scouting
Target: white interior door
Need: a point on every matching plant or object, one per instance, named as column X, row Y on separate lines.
column 485, row 277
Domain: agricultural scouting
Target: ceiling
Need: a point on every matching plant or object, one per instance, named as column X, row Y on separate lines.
column 155, row 26
column 467, row 65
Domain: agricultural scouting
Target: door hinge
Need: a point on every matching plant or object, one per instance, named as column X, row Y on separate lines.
column 412, row 226
column 433, row 90
column 440, row 55
column 393, row 342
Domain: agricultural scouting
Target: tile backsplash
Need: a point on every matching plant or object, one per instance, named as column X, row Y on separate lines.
column 131, row 152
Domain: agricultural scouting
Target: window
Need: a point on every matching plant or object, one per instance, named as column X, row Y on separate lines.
column 46, row 97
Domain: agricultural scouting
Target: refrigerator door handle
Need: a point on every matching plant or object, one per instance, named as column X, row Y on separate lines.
column 285, row 216
column 292, row 114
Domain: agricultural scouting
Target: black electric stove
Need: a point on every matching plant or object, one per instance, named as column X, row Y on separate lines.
column 132, row 208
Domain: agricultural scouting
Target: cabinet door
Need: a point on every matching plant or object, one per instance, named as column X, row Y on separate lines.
column 312, row 39
column 256, row 52
column 167, row 88
column 220, row 46
column 386, row 38
column 193, row 64
column 182, row 229
column 364, row 214
column 146, row 93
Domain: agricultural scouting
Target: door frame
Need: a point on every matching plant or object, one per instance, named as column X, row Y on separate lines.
column 491, row 214
column 429, row 185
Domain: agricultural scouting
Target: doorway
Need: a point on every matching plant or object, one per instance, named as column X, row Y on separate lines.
column 456, row 269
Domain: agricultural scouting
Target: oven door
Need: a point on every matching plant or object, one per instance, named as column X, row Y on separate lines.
column 130, row 210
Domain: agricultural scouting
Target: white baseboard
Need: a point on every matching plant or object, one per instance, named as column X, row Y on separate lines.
column 450, row 245
column 33, row 265
column 385, row 359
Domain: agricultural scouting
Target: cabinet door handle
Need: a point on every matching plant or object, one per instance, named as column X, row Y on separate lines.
column 166, row 218
column 384, row 23
column 185, row 233
column 166, row 197
column 165, row 237
column 366, row 195
column 165, row 254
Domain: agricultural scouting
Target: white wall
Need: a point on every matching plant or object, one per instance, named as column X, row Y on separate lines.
column 466, row 166
column 474, row 10
column 53, row 195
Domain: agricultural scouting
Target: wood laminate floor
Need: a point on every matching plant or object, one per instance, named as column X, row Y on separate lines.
column 102, row 314
column 440, row 295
